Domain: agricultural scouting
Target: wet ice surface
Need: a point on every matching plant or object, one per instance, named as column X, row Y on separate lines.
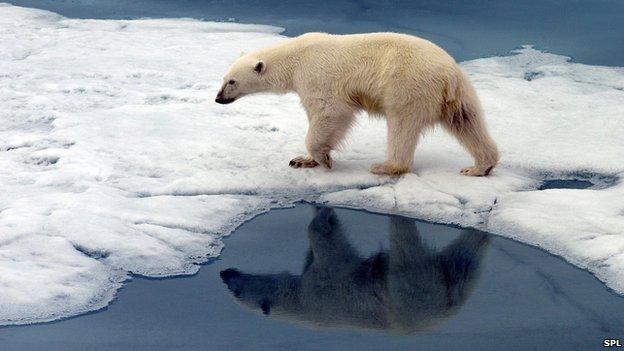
column 589, row 31
column 474, row 291
column 114, row 159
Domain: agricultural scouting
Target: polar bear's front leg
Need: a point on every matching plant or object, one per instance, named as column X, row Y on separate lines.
column 317, row 143
column 303, row 162
column 324, row 133
column 318, row 149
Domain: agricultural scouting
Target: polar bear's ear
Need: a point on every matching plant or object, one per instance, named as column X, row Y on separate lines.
column 242, row 53
column 259, row 67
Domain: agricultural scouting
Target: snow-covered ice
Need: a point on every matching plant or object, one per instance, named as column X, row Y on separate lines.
column 114, row 158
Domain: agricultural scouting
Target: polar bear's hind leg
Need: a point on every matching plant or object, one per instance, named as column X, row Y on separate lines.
column 404, row 130
column 468, row 126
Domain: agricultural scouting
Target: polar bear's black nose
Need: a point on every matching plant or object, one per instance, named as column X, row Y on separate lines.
column 222, row 100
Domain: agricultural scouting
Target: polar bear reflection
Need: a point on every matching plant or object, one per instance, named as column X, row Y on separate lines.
column 409, row 288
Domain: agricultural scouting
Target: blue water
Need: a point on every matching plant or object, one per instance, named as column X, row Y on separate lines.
column 455, row 289
column 565, row 184
column 590, row 31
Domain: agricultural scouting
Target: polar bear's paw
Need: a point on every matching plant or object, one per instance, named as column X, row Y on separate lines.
column 476, row 171
column 388, row 168
column 303, row 162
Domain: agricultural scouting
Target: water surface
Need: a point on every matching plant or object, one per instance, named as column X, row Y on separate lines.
column 320, row 279
column 590, row 31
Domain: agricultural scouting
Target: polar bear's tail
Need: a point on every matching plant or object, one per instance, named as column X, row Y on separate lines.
column 462, row 116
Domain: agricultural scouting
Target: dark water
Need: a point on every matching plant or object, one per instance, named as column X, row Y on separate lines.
column 580, row 181
column 310, row 279
column 590, row 31
column 565, row 184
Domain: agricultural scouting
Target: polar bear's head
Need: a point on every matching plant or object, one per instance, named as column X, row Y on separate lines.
column 266, row 293
column 245, row 76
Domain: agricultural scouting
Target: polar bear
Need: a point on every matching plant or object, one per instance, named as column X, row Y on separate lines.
column 408, row 288
column 410, row 81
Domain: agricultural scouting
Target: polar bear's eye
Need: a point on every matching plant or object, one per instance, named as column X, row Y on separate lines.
column 231, row 81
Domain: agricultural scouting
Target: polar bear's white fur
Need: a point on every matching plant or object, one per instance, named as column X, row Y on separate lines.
column 411, row 81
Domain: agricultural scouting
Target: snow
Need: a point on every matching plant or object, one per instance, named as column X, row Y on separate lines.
column 115, row 160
